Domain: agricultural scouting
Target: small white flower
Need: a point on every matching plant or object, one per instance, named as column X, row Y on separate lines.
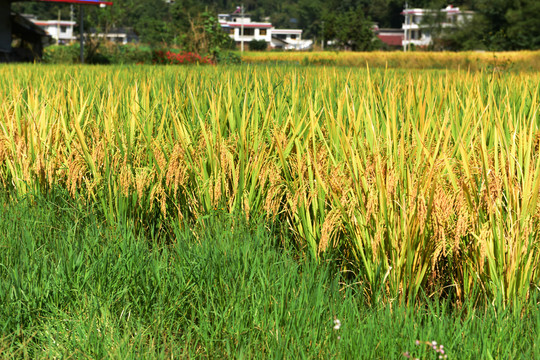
column 434, row 343
column 337, row 324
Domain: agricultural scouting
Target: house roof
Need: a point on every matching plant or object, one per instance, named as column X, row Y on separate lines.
column 53, row 23
column 87, row 2
column 391, row 39
column 287, row 31
column 418, row 11
column 247, row 25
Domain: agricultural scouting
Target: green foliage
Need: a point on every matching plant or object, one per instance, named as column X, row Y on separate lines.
column 499, row 25
column 127, row 54
column 58, row 54
column 206, row 37
column 229, row 58
column 98, row 53
column 350, row 30
column 257, row 45
column 353, row 31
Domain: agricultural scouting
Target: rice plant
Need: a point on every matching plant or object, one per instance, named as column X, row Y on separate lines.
column 422, row 182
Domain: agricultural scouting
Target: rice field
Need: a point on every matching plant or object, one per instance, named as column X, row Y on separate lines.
column 417, row 182
column 472, row 60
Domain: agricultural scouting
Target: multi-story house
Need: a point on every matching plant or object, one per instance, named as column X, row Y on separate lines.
column 60, row 30
column 419, row 23
column 241, row 28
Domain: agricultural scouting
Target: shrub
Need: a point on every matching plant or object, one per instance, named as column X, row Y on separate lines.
column 58, row 54
column 98, row 53
column 257, row 45
column 229, row 58
column 128, row 54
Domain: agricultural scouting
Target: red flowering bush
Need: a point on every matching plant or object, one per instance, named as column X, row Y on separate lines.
column 172, row 58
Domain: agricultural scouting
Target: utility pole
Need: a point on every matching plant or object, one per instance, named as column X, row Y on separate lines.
column 58, row 29
column 405, row 29
column 322, row 41
column 81, row 20
column 242, row 30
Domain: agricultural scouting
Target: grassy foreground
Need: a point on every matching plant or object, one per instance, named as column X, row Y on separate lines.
column 74, row 286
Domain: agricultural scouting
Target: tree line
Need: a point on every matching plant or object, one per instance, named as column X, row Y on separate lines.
column 496, row 25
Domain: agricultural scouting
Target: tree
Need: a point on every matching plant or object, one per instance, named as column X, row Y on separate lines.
column 523, row 29
column 258, row 45
column 206, row 36
column 501, row 25
column 351, row 30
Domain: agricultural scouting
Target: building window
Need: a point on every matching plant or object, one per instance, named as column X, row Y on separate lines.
column 63, row 29
column 416, row 34
column 262, row 32
column 417, row 19
column 293, row 37
column 249, row 32
column 231, row 31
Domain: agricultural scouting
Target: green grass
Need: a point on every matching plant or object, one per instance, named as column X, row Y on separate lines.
column 75, row 286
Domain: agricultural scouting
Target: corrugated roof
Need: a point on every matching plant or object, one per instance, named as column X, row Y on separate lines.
column 86, row 2
column 392, row 40
column 248, row 25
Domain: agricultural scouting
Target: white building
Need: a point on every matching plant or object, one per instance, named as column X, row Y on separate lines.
column 287, row 39
column 235, row 23
column 60, row 30
column 121, row 36
column 417, row 31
